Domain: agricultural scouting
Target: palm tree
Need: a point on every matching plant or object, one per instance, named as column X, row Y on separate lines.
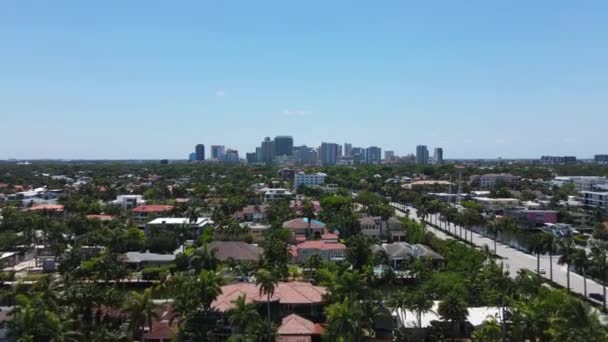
column 453, row 309
column 581, row 262
column 140, row 310
column 549, row 246
column 263, row 330
column 242, row 314
column 343, row 321
column 490, row 331
column 308, row 212
column 267, row 282
column 421, row 303
column 600, row 262
column 203, row 258
column 400, row 302
column 537, row 247
column 493, row 228
column 567, row 249
column 207, row 287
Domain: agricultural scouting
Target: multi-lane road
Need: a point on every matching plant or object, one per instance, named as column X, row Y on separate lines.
column 515, row 259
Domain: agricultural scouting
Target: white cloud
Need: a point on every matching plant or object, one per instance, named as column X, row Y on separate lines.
column 295, row 112
column 220, row 93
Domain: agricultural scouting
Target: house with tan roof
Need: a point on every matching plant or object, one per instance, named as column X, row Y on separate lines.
column 296, row 328
column 302, row 298
column 144, row 211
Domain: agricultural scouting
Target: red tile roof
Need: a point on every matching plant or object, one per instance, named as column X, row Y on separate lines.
column 45, row 207
column 297, row 325
column 153, row 208
column 329, row 236
column 285, row 293
column 160, row 330
column 320, row 244
column 100, row 217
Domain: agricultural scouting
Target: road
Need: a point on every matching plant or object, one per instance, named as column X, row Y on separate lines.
column 515, row 259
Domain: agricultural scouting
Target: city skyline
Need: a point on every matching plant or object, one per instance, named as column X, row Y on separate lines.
column 512, row 80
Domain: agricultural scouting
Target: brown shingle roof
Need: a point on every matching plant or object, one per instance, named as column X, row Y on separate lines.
column 236, row 250
column 302, row 223
column 45, row 207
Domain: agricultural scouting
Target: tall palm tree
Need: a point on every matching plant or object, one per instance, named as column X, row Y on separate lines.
column 581, row 262
column 549, row 246
column 537, row 247
column 140, row 311
column 207, row 287
column 453, row 309
column 344, row 321
column 267, row 282
column 493, row 228
column 308, row 212
column 600, row 263
column 242, row 314
column 420, row 302
column 203, row 258
column 400, row 302
column 567, row 249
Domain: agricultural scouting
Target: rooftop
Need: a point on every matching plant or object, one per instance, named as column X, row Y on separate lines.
column 153, row 208
column 294, row 293
column 297, row 325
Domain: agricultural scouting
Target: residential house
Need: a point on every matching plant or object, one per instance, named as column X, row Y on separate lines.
column 257, row 230
column 328, row 249
column 252, row 213
column 126, row 202
column 140, row 260
column 272, row 194
column 235, row 250
column 172, row 223
column 374, row 227
column 399, row 252
column 299, row 227
column 301, row 298
column 145, row 211
column 296, row 328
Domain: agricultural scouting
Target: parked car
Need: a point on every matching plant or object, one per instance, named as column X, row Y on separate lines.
column 597, row 296
column 541, row 271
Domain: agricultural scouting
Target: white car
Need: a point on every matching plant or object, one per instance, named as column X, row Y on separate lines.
column 541, row 271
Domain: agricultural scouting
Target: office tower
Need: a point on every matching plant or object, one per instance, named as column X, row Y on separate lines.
column 305, row 155
column 258, row 154
column 422, row 154
column 373, row 155
column 267, row 151
column 283, row 145
column 339, row 151
column 348, row 149
column 389, row 156
column 251, row 157
column 200, row 152
column 192, row 156
column 601, row 158
column 232, row 156
column 218, row 152
column 438, row 155
column 358, row 154
column 328, row 153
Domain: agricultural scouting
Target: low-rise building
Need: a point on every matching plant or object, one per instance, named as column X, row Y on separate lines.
column 143, row 259
column 399, row 252
column 494, row 180
column 496, row 204
column 595, row 200
column 257, row 230
column 235, row 250
column 252, row 213
column 127, row 202
column 313, row 179
column 271, row 194
column 532, row 217
column 581, row 183
column 144, row 211
column 172, row 223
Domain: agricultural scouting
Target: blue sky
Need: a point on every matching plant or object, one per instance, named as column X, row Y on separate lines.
column 150, row 79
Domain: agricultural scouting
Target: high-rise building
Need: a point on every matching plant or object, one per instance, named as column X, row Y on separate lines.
column 218, row 152
column 348, row 149
column 358, row 154
column 389, row 156
column 328, row 153
column 267, row 151
column 192, row 156
column 258, row 154
column 339, row 151
column 232, row 156
column 200, row 152
column 305, row 155
column 601, row 158
column 373, row 155
column 252, row 158
column 422, row 154
column 283, row 145
column 438, row 155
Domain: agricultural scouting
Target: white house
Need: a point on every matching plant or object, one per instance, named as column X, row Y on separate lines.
column 271, row 194
column 128, row 201
column 313, row 179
